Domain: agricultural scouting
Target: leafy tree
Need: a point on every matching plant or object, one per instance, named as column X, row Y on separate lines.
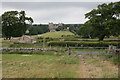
column 13, row 23
column 33, row 31
column 86, row 30
column 72, row 27
column 105, row 20
column 0, row 27
column 38, row 29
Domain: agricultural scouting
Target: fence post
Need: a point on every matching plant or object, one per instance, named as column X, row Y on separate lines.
column 69, row 51
column 66, row 45
column 44, row 44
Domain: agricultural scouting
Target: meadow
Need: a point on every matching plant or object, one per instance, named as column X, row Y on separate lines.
column 71, row 49
column 57, row 64
column 39, row 66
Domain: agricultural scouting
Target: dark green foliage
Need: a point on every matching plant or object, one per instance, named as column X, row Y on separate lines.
column 40, row 39
column 103, row 21
column 0, row 26
column 13, row 24
column 83, row 44
column 72, row 27
column 38, row 29
column 86, row 31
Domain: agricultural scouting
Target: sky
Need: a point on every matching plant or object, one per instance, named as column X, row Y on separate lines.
column 56, row 12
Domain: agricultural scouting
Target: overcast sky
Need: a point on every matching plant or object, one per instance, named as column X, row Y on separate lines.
column 56, row 12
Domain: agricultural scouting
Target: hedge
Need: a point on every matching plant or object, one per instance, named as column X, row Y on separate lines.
column 82, row 44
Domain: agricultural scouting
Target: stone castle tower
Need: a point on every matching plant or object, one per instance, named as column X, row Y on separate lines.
column 53, row 27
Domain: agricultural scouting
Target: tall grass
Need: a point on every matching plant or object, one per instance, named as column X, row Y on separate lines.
column 39, row 66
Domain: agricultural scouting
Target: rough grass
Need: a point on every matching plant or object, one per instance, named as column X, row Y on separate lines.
column 38, row 66
column 115, row 59
column 55, row 65
column 99, row 69
column 57, row 34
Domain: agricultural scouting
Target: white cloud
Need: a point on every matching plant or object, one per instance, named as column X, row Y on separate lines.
column 66, row 15
column 59, row 0
column 44, row 12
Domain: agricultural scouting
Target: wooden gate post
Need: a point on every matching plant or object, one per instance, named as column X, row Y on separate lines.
column 43, row 43
column 69, row 51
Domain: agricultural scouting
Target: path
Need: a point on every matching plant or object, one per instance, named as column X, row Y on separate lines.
column 94, row 67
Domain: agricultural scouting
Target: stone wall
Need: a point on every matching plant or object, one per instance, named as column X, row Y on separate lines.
column 25, row 49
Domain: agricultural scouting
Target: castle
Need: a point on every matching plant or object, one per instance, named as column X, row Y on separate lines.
column 52, row 27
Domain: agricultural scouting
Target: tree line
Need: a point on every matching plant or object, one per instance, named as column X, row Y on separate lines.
column 38, row 29
column 103, row 21
column 70, row 27
column 14, row 23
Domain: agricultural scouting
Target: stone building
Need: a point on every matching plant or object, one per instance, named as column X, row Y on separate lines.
column 53, row 27
column 60, row 24
column 26, row 39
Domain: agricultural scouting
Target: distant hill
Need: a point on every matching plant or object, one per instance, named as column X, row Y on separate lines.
column 56, row 34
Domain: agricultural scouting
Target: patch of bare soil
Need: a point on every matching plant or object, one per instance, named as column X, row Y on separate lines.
column 97, row 69
column 108, row 66
column 106, row 63
column 83, row 71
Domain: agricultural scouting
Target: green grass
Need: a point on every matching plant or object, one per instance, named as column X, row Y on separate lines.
column 49, row 65
column 38, row 66
column 110, row 57
column 6, row 44
column 57, row 34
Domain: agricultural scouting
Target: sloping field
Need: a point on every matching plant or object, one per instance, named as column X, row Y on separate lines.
column 57, row 34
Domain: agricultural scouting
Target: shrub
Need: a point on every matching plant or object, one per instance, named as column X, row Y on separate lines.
column 40, row 39
column 83, row 44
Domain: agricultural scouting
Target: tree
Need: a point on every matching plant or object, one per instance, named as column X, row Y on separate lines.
column 38, row 29
column 0, row 27
column 13, row 23
column 105, row 20
column 86, row 30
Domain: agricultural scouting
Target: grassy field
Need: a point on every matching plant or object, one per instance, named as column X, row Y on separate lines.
column 56, row 64
column 57, row 34
column 60, row 35
column 51, row 65
column 39, row 66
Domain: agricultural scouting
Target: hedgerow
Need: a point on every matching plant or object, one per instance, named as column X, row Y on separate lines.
column 82, row 44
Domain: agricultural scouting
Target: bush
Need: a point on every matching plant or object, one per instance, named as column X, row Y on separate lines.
column 40, row 39
column 83, row 44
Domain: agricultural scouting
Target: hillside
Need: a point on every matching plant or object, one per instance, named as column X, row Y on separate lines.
column 57, row 34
